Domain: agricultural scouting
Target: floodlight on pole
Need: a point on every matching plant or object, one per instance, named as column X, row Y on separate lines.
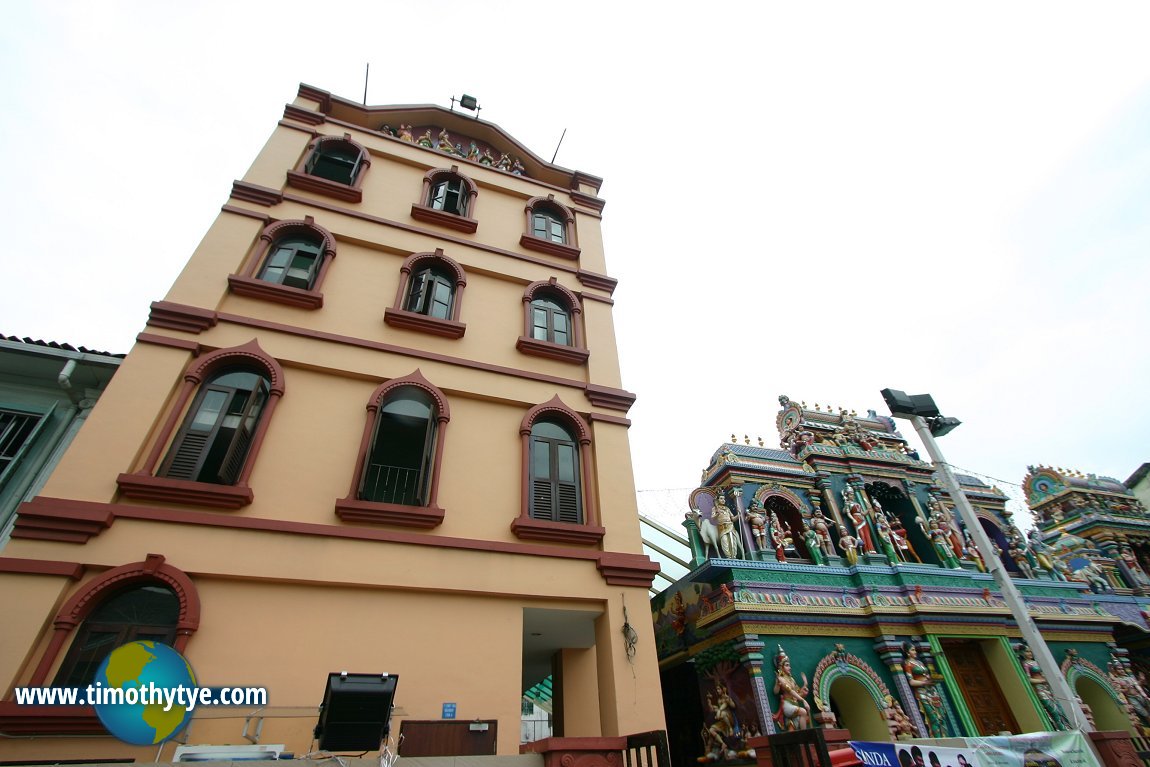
column 921, row 411
column 469, row 103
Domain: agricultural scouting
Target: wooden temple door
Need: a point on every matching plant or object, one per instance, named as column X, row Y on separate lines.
column 983, row 697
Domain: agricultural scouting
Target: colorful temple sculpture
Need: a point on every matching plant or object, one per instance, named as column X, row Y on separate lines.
column 834, row 585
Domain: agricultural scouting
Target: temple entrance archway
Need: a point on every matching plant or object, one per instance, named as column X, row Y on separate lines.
column 856, row 710
column 1108, row 712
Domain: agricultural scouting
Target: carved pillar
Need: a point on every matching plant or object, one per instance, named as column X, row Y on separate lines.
column 750, row 649
column 693, row 538
column 890, row 650
column 823, row 483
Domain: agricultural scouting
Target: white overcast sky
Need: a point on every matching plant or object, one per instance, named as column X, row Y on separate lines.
column 816, row 199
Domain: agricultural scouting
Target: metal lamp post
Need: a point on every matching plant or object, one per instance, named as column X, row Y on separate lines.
column 921, row 411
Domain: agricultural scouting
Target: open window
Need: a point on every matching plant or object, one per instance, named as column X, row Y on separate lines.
column 333, row 166
column 447, row 199
column 213, row 432
column 397, row 471
column 288, row 265
column 429, row 296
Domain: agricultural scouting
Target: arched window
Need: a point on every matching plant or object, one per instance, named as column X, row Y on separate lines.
column 551, row 326
column 447, row 199
column 213, row 431
column 293, row 261
column 213, row 442
column 333, row 166
column 555, row 492
column 288, row 265
column 429, row 295
column 142, row 612
column 550, row 228
column 556, row 475
column 397, row 472
column 399, row 464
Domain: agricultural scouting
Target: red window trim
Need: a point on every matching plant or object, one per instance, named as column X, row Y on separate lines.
column 301, row 179
column 246, row 283
column 397, row 316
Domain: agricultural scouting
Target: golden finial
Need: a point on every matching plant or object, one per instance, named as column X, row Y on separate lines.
column 746, row 440
column 854, row 413
column 804, row 404
column 760, row 441
column 817, row 407
column 734, row 438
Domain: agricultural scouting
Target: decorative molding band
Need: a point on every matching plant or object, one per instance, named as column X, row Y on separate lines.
column 299, row 114
column 450, row 220
column 190, row 319
column 550, row 248
column 311, row 93
column 588, row 201
column 611, row 561
column 173, row 343
column 593, row 297
column 263, row 217
column 604, row 418
column 556, row 532
column 400, row 318
column 605, row 396
column 145, row 487
column 43, row 519
column 420, row 517
column 552, row 351
column 627, row 569
column 70, row 570
column 310, row 183
column 260, row 195
column 597, row 281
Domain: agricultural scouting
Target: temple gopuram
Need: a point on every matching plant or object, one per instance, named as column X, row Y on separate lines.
column 833, row 584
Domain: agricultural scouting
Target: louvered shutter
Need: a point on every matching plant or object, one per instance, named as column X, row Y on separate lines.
column 233, row 463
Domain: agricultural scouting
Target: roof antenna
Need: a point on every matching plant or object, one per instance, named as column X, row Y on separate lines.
column 557, row 146
column 366, row 70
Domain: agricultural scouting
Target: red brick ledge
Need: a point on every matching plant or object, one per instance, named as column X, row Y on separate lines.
column 608, row 397
column 52, row 519
column 556, row 532
column 270, row 291
column 420, row 517
column 551, row 350
column 627, row 569
column 324, row 186
column 71, row 570
column 450, row 220
column 551, row 248
column 190, row 319
column 578, row 752
column 260, row 195
column 299, row 114
column 148, row 488
column 401, row 318
column 49, row 720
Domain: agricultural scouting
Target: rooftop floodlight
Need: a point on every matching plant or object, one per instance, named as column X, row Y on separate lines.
column 940, row 426
column 898, row 401
column 469, row 102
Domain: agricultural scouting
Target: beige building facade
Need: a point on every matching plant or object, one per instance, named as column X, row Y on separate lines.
column 376, row 425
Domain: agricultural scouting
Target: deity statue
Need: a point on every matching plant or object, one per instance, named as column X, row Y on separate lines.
column 504, row 162
column 1131, row 692
column 850, row 546
column 823, row 530
column 487, row 158
column 405, row 133
column 972, row 551
column 473, row 152
column 724, row 521
column 900, row 724
column 853, row 509
column 1093, row 576
column 886, row 540
column 925, row 692
column 1044, row 555
column 1138, row 575
column 758, row 524
column 811, row 539
column 445, row 144
column 794, row 712
column 517, row 167
column 425, row 140
column 781, row 540
column 942, row 547
column 1019, row 553
column 1041, row 688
